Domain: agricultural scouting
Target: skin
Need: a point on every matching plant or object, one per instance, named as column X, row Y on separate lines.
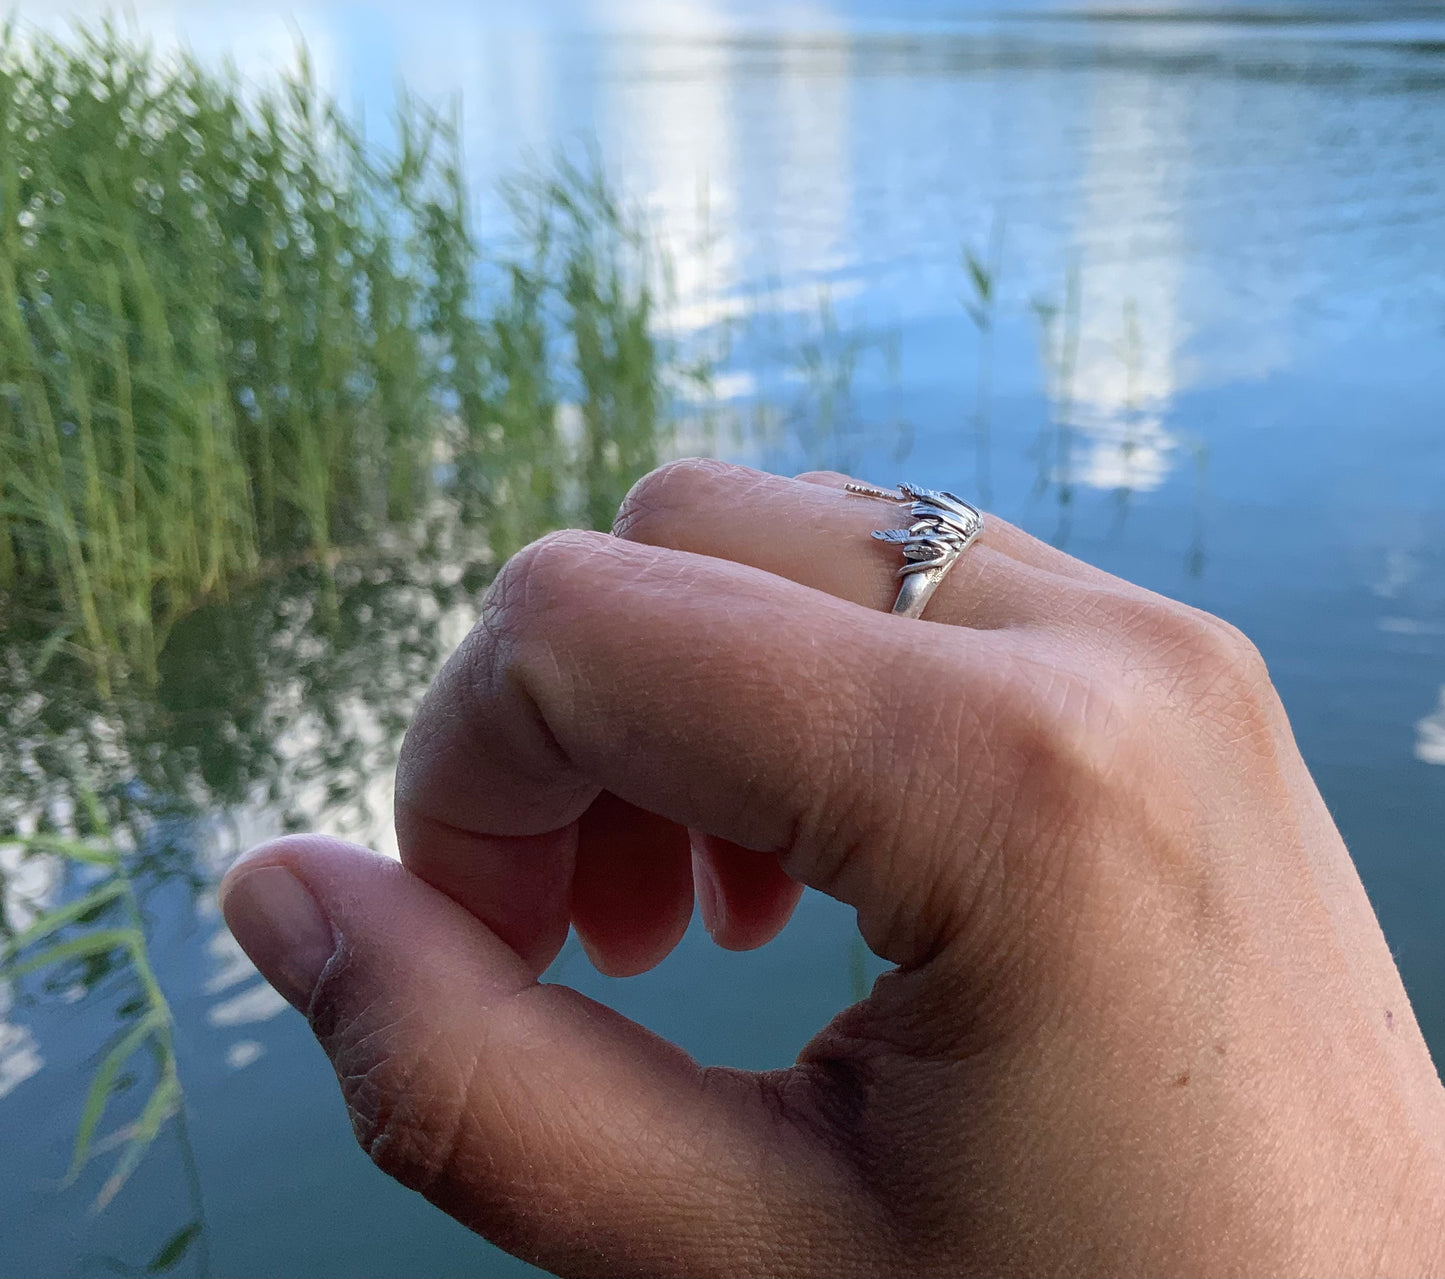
column 1142, row 1019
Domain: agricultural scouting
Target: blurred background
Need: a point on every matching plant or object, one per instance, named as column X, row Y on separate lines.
column 310, row 314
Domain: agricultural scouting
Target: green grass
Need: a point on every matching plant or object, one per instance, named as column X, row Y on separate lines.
column 97, row 941
column 232, row 334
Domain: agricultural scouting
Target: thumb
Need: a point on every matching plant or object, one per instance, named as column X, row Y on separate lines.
column 557, row 1128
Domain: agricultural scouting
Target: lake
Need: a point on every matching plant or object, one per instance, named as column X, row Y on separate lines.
column 1208, row 354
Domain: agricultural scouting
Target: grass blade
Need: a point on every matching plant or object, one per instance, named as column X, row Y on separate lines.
column 174, row 1248
column 103, row 1084
column 72, row 850
column 54, row 920
column 164, row 1101
column 96, row 943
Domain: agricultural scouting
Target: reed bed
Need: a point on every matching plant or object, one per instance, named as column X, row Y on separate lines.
column 232, row 333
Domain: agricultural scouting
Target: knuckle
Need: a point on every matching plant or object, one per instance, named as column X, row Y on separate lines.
column 520, row 605
column 1043, row 744
column 1230, row 650
column 542, row 593
column 1065, row 740
column 1043, row 761
column 1048, row 713
column 1075, row 759
column 487, row 692
column 1064, row 726
column 1206, row 643
column 829, row 479
column 667, row 495
column 1210, row 661
column 536, row 579
column 1191, row 666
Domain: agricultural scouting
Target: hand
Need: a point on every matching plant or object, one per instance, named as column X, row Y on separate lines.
column 1142, row 1019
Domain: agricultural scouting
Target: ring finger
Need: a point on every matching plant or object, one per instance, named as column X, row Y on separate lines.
column 818, row 536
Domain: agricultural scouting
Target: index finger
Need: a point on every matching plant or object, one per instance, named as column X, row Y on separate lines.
column 713, row 694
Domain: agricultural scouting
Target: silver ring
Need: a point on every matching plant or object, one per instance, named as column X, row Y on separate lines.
column 943, row 527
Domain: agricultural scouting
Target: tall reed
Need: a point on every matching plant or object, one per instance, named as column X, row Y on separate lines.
column 231, row 332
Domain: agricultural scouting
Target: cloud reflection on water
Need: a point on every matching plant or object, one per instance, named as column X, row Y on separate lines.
column 19, row 1053
column 1430, row 734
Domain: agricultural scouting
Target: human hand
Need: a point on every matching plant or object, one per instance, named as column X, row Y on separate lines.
column 1142, row 1021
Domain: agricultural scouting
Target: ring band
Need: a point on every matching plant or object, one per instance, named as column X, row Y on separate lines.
column 943, row 527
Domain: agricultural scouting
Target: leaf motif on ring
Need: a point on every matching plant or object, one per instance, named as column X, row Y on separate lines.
column 944, row 525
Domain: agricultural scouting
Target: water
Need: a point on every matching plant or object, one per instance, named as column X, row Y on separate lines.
column 1236, row 223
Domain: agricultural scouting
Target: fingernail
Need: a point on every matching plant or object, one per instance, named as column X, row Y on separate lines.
column 708, row 890
column 280, row 925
